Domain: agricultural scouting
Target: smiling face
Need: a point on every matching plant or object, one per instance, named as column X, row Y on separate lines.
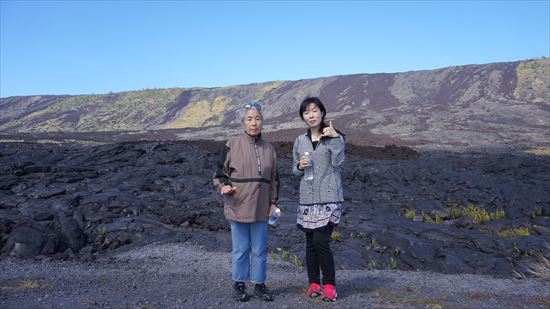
column 312, row 116
column 252, row 122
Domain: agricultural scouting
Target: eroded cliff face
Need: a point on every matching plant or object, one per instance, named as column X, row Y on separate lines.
column 473, row 105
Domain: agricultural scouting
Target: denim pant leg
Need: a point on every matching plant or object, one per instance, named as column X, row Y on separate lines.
column 258, row 237
column 240, row 238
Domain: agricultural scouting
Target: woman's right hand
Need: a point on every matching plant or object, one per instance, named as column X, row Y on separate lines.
column 304, row 161
column 227, row 189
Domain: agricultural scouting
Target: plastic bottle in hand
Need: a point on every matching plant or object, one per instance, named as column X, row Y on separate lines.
column 308, row 171
column 274, row 217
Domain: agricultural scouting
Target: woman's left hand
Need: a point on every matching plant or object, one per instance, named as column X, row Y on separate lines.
column 272, row 209
column 330, row 131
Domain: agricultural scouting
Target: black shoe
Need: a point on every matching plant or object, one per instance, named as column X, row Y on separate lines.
column 239, row 291
column 262, row 292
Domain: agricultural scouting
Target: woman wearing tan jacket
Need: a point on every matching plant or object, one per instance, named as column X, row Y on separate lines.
column 247, row 178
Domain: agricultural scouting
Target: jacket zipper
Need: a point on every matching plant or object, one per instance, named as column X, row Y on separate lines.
column 258, row 159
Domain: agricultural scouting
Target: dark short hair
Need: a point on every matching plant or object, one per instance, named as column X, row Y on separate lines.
column 317, row 102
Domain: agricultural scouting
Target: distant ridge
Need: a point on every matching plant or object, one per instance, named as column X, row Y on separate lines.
column 471, row 105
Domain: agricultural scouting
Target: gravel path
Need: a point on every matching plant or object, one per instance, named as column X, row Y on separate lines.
column 184, row 275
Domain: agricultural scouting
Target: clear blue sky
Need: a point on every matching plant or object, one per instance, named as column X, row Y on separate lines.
column 82, row 47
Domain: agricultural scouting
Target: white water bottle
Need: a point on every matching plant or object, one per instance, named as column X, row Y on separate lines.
column 274, row 217
column 308, row 171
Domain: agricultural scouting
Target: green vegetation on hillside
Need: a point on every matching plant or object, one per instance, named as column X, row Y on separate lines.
column 201, row 113
column 260, row 95
column 133, row 110
column 52, row 117
column 532, row 80
column 150, row 109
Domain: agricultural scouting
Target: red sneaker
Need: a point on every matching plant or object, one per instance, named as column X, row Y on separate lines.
column 329, row 292
column 314, row 290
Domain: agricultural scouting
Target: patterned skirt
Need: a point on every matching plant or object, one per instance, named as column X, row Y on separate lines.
column 315, row 216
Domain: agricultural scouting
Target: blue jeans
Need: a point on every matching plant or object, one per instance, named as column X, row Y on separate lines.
column 249, row 251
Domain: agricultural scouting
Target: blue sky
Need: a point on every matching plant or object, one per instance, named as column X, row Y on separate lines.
column 82, row 47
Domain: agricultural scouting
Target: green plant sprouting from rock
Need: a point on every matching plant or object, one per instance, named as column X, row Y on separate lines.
column 478, row 215
column 286, row 256
column 392, row 263
column 335, row 236
column 536, row 212
column 514, row 232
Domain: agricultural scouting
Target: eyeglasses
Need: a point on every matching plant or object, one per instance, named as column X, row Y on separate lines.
column 257, row 106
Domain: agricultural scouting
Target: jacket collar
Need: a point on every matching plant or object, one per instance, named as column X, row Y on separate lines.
column 253, row 139
column 308, row 134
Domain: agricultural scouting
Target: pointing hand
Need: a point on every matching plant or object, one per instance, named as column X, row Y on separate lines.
column 227, row 189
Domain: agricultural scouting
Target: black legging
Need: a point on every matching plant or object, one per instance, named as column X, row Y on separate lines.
column 319, row 256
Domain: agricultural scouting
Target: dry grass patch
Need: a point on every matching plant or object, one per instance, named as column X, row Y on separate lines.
column 542, row 151
column 539, row 267
column 25, row 284
column 514, row 232
column 478, row 215
column 536, row 212
column 410, row 214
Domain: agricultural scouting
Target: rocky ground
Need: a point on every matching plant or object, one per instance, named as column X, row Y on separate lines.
column 185, row 275
column 82, row 207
